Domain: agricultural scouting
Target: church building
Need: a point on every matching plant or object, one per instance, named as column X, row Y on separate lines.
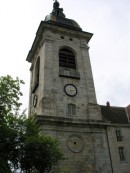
column 94, row 138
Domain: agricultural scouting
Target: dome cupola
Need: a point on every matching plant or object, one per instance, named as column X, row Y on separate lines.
column 58, row 17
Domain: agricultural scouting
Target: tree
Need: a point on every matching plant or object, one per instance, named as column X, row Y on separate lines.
column 39, row 154
column 9, row 106
column 21, row 145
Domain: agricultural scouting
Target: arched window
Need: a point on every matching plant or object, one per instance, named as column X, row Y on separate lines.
column 67, row 58
column 71, row 109
column 37, row 69
column 36, row 75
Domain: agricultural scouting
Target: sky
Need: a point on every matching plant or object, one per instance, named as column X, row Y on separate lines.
column 108, row 20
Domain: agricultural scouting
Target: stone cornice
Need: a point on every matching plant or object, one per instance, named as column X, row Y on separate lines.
column 56, row 28
column 42, row 119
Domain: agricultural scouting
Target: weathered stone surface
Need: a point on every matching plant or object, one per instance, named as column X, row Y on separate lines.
column 89, row 144
column 84, row 147
column 52, row 99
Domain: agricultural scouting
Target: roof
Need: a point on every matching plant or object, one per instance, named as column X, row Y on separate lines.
column 58, row 17
column 114, row 114
column 61, row 21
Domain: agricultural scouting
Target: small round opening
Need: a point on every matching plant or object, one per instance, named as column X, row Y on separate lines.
column 62, row 37
column 71, row 39
column 74, row 143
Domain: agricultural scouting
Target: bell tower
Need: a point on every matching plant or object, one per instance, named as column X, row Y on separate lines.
column 61, row 76
column 62, row 93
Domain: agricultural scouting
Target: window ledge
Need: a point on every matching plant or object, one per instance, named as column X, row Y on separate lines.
column 72, row 116
column 123, row 161
column 69, row 73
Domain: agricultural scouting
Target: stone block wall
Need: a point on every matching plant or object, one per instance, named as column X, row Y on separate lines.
column 119, row 166
column 85, row 147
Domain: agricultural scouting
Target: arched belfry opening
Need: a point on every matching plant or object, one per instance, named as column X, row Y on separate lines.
column 36, row 75
column 67, row 58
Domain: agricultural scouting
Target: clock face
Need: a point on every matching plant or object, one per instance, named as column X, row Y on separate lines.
column 70, row 90
column 34, row 100
column 75, row 143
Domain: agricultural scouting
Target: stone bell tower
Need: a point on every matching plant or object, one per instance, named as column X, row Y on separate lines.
column 62, row 92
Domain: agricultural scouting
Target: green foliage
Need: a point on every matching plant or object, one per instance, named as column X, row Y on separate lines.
column 44, row 150
column 10, row 94
column 9, row 124
column 21, row 146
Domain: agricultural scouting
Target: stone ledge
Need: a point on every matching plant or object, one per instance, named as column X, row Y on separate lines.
column 69, row 73
column 44, row 119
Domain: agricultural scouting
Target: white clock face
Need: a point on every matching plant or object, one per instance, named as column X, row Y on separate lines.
column 70, row 90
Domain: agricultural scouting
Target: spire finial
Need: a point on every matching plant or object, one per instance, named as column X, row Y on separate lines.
column 56, row 10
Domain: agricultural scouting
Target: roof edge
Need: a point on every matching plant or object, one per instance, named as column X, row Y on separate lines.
column 39, row 33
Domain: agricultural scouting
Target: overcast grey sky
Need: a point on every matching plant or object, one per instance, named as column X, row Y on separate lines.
column 109, row 20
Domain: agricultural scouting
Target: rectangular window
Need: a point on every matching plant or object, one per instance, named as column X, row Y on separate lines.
column 121, row 153
column 118, row 135
column 71, row 109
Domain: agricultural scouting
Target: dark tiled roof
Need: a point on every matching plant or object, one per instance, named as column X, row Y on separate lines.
column 114, row 114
